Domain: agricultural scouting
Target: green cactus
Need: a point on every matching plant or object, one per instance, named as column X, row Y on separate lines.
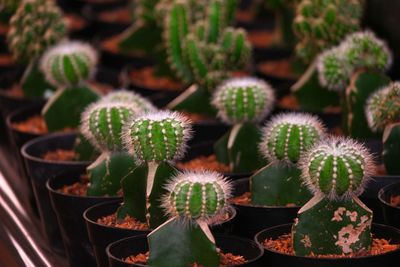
column 334, row 221
column 391, row 148
column 203, row 52
column 242, row 103
column 102, row 125
column 36, row 25
column 320, row 24
column 285, row 139
column 68, row 66
column 129, row 97
column 155, row 140
column 194, row 201
column 7, row 9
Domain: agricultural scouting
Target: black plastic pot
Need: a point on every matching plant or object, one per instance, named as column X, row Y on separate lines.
column 251, row 219
column 69, row 210
column 40, row 170
column 121, row 249
column 99, row 6
column 101, row 235
column 391, row 214
column 274, row 259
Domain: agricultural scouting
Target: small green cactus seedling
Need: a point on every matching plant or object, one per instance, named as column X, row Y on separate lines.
column 322, row 24
column 7, row 9
column 194, row 201
column 156, row 140
column 68, row 66
column 383, row 115
column 102, row 125
column 285, row 139
column 334, row 221
column 129, row 97
column 243, row 103
column 36, row 25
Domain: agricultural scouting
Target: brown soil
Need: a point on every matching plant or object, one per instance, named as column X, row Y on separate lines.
column 245, row 200
column 15, row 91
column 3, row 28
column 279, row 68
column 261, row 39
column 244, row 15
column 78, row 188
column 74, row 22
column 111, row 45
column 226, row 259
column 120, row 15
column 204, row 163
column 6, row 60
column 146, row 78
column 284, row 245
column 60, row 155
column 34, row 125
column 395, row 201
column 127, row 223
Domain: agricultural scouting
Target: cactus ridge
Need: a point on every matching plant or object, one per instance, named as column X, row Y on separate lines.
column 288, row 136
column 69, row 63
column 129, row 97
column 240, row 100
column 35, row 26
column 339, row 168
column 200, row 196
column 383, row 107
column 102, row 124
column 157, row 137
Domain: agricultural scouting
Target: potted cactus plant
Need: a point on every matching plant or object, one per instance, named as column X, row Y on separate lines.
column 334, row 224
column 194, row 200
column 273, row 194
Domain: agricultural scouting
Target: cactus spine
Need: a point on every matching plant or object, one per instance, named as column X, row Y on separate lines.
column 129, row 97
column 335, row 221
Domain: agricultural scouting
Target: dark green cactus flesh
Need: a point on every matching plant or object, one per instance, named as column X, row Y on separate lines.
column 286, row 137
column 337, row 168
column 102, row 124
column 131, row 98
column 35, row 26
column 241, row 100
column 391, row 149
column 383, row 107
column 157, row 137
column 320, row 24
column 7, row 9
column 69, row 64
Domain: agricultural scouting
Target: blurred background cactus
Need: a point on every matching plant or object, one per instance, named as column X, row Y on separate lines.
column 155, row 140
column 68, row 66
column 7, row 9
column 242, row 103
column 35, row 26
column 334, row 221
column 194, row 201
column 286, row 137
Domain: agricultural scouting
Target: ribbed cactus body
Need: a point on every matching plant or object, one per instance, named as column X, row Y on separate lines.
column 69, row 64
column 321, row 24
column 383, row 107
column 337, row 168
column 286, row 137
column 102, row 124
column 36, row 25
column 131, row 98
column 240, row 100
column 157, row 137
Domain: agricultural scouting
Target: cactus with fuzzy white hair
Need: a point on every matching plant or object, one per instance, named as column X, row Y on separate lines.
column 334, row 221
column 68, row 66
column 194, row 201
column 242, row 103
column 286, row 137
column 155, row 139
column 35, row 26
column 129, row 97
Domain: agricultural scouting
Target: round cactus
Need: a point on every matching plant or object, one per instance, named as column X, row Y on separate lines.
column 69, row 63
column 36, row 25
column 337, row 168
column 365, row 50
column 288, row 136
column 334, row 71
column 200, row 196
column 130, row 98
column 102, row 124
column 157, row 137
column 321, row 24
column 241, row 100
column 383, row 107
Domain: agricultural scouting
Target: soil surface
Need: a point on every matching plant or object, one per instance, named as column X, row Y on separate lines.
column 119, row 15
column 146, row 78
column 3, row 29
column 284, row 245
column 261, row 39
column 281, row 68
column 78, row 188
column 111, row 45
column 6, row 60
column 74, row 22
column 60, row 155
column 34, row 125
column 127, row 223
column 244, row 15
column 204, row 163
column 395, row 201
column 226, row 259
column 245, row 200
